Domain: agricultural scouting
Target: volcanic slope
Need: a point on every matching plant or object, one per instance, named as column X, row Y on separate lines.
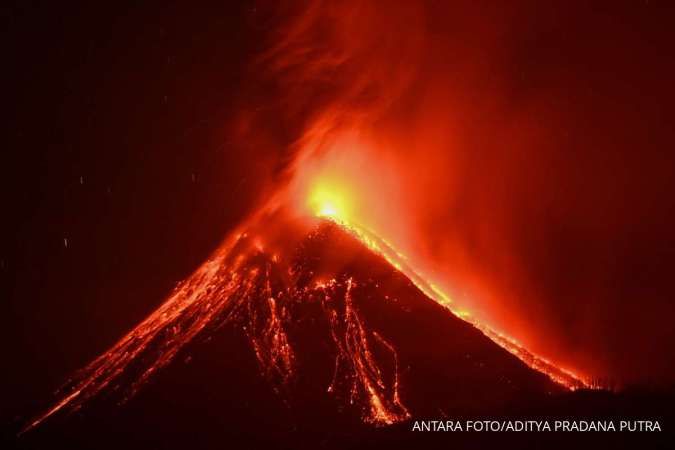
column 321, row 330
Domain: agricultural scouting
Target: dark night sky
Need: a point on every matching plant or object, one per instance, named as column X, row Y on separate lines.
column 136, row 101
column 119, row 139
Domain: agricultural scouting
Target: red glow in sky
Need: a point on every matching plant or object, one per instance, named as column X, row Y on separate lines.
column 438, row 128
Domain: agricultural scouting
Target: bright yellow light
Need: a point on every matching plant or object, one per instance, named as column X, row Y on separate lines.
column 328, row 210
column 329, row 199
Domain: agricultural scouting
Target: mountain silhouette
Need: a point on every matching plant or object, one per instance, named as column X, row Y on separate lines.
column 309, row 333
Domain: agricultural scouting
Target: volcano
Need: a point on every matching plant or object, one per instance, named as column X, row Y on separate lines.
column 329, row 323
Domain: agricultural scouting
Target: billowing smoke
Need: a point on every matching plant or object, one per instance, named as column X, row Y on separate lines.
column 514, row 152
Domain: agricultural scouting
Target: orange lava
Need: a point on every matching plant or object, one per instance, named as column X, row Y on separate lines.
column 344, row 177
column 236, row 286
column 560, row 375
column 352, row 341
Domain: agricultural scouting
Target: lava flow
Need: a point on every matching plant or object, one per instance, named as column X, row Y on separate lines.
column 245, row 285
column 255, row 281
column 560, row 375
column 332, row 199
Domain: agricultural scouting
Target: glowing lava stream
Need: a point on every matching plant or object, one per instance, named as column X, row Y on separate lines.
column 378, row 245
column 235, row 285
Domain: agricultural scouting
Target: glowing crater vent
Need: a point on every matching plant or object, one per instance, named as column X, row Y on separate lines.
column 330, row 199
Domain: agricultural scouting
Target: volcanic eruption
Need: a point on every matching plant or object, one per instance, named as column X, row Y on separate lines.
column 318, row 224
column 318, row 279
column 284, row 270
